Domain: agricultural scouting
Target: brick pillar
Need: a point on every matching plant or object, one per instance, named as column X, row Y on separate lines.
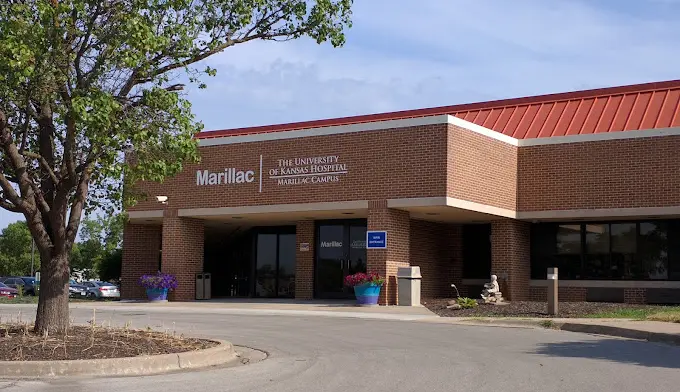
column 452, row 271
column 304, row 261
column 182, row 253
column 387, row 261
column 510, row 255
column 141, row 254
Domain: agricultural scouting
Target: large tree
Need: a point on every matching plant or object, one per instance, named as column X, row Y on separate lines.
column 84, row 82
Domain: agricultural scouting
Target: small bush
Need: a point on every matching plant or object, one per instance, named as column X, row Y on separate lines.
column 467, row 303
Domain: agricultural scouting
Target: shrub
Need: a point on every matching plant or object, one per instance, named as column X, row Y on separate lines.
column 364, row 278
column 158, row 281
column 467, row 303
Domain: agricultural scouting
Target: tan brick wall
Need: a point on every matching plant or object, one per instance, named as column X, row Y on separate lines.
column 141, row 247
column 387, row 261
column 624, row 173
column 183, row 241
column 510, row 254
column 394, row 163
column 304, row 263
column 437, row 249
column 481, row 169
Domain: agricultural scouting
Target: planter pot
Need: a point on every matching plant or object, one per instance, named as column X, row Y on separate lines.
column 367, row 294
column 157, row 295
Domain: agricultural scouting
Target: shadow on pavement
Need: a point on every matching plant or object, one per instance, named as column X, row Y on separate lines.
column 623, row 351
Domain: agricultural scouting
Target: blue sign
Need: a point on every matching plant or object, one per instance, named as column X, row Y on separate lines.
column 376, row 239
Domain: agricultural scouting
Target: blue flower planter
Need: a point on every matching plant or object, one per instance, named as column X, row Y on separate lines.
column 157, row 295
column 367, row 294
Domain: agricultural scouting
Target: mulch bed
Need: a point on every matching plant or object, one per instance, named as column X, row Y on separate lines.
column 527, row 309
column 19, row 343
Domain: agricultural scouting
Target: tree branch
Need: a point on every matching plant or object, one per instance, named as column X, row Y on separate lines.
column 43, row 164
column 9, row 206
column 77, row 205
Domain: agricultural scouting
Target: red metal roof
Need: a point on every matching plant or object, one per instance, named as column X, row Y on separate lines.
column 635, row 107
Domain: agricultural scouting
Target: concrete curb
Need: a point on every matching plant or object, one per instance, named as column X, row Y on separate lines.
column 596, row 329
column 222, row 354
column 628, row 333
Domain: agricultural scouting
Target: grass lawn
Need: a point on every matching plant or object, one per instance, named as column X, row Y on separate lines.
column 651, row 313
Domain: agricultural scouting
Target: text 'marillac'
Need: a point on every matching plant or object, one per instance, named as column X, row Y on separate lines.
column 228, row 176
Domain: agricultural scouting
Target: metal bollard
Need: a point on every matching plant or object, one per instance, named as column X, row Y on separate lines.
column 553, row 300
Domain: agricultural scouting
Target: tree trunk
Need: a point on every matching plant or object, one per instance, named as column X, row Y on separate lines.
column 52, row 316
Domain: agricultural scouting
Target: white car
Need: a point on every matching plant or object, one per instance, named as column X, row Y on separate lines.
column 97, row 289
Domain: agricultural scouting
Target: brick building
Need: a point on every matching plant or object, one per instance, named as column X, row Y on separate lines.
column 583, row 181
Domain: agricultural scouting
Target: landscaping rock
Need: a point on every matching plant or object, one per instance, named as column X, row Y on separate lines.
column 454, row 306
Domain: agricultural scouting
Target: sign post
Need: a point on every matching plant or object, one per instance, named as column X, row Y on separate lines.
column 552, row 291
column 376, row 240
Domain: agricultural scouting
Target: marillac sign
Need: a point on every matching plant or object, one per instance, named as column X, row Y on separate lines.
column 376, row 239
column 289, row 171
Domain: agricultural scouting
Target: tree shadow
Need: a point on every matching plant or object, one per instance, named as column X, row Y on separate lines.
column 624, row 351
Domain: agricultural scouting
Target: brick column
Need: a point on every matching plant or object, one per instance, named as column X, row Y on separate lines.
column 387, row 261
column 141, row 254
column 510, row 255
column 304, row 261
column 182, row 253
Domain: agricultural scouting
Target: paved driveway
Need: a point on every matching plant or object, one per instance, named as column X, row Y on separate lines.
column 320, row 353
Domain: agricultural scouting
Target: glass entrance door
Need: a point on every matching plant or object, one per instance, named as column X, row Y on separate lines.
column 275, row 264
column 341, row 251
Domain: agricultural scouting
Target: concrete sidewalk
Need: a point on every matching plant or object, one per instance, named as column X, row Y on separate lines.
column 248, row 307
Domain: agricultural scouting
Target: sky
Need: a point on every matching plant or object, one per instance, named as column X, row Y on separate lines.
column 413, row 54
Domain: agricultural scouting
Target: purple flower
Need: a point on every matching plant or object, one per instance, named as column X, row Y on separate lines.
column 158, row 281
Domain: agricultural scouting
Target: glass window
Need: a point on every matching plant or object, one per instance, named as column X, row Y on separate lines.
column 653, row 251
column 357, row 249
column 286, row 276
column 623, row 262
column 645, row 250
column 567, row 256
column 597, row 251
column 265, row 268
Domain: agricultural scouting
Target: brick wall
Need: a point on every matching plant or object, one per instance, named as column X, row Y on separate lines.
column 398, row 168
column 623, row 173
column 566, row 294
column 635, row 296
column 304, row 263
column 141, row 253
column 387, row 261
column 481, row 169
column 182, row 256
column 437, row 249
column 510, row 255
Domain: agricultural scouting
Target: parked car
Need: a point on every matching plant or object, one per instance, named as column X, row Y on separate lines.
column 7, row 292
column 97, row 289
column 27, row 283
column 76, row 289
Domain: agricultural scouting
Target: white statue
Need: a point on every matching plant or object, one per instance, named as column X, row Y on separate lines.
column 492, row 292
